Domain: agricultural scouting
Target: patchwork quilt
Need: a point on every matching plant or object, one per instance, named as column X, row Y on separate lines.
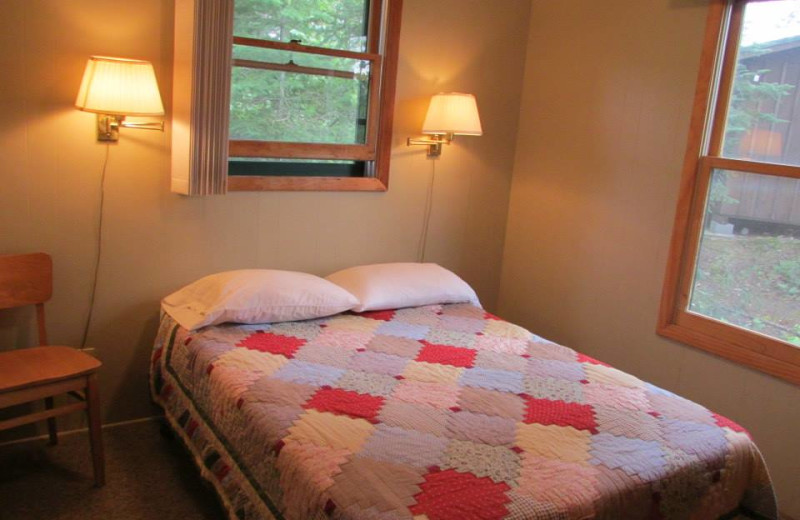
column 442, row 412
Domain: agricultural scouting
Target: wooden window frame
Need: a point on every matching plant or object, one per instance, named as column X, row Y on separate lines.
column 703, row 155
column 382, row 53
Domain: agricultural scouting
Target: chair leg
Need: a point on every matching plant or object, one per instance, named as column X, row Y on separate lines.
column 52, row 430
column 95, row 433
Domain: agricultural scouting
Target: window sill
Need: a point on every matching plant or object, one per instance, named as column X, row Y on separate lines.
column 747, row 348
column 256, row 183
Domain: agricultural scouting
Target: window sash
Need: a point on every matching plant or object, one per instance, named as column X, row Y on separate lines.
column 703, row 156
column 298, row 150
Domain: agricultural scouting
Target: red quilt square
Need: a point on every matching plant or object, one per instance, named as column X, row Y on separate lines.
column 723, row 422
column 447, row 355
column 560, row 413
column 583, row 358
column 378, row 315
column 272, row 343
column 346, row 402
column 447, row 495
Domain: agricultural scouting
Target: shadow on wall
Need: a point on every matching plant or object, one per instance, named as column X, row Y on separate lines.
column 131, row 368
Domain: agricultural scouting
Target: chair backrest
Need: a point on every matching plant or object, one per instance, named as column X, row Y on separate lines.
column 27, row 280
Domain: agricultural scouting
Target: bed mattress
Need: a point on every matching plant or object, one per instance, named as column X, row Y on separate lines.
column 441, row 412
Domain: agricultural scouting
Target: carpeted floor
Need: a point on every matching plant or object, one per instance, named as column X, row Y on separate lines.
column 148, row 476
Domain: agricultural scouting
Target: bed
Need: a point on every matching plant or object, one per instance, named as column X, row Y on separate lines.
column 441, row 412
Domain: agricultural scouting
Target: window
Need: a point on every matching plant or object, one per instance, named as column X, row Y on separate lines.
column 312, row 93
column 733, row 280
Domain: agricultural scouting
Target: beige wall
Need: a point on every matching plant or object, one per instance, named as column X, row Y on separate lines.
column 605, row 112
column 154, row 241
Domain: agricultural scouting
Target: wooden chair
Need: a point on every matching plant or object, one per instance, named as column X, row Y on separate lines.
column 42, row 372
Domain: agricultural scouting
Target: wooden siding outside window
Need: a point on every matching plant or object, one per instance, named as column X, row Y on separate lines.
column 704, row 156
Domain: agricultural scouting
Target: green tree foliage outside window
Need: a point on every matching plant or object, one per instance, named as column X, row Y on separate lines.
column 285, row 106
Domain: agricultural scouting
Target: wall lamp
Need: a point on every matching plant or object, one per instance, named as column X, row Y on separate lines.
column 449, row 114
column 114, row 88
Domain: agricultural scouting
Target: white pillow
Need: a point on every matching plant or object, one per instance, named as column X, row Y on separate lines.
column 393, row 286
column 256, row 296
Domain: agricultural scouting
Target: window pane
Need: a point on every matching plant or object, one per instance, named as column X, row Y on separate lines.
column 748, row 266
column 323, row 101
column 763, row 122
column 293, row 167
column 336, row 24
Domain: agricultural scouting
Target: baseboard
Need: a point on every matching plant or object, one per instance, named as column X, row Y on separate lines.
column 84, row 430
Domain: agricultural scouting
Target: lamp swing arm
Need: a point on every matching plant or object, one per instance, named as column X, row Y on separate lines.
column 142, row 125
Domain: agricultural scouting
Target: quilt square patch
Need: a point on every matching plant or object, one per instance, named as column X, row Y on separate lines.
column 482, row 429
column 451, row 337
column 339, row 432
column 403, row 330
column 402, row 347
column 500, row 361
column 446, row 494
column 276, row 392
column 386, row 315
column 501, row 344
column 554, row 442
column 324, row 355
column 344, row 339
column 432, row 394
column 556, row 389
column 367, row 383
column 628, row 423
column 346, row 402
column 499, row 463
column 619, row 397
column 463, row 310
column 352, row 322
column 379, row 363
column 273, row 343
column 564, row 484
column 410, row 416
column 414, row 448
column 505, row 329
column 308, row 373
column 299, row 329
column 426, row 315
column 461, row 324
column 560, row 413
column 432, row 372
column 503, row 380
column 615, row 452
column 255, row 360
column 447, row 355
column 492, row 402
column 569, row 371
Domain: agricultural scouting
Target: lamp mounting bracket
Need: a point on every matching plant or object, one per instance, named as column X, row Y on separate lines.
column 108, row 126
column 434, row 143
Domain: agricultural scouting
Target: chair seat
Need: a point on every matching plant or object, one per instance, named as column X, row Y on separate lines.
column 38, row 365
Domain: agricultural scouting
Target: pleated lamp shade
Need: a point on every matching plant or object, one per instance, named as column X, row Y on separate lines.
column 118, row 86
column 453, row 113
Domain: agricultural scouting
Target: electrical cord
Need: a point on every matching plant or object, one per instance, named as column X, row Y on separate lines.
column 423, row 239
column 99, row 248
